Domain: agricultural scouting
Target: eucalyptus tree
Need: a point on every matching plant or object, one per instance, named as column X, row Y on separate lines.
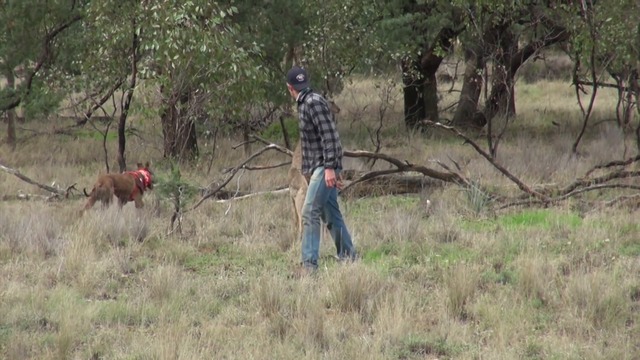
column 505, row 34
column 419, row 35
column 332, row 38
column 185, row 52
column 29, row 33
column 606, row 41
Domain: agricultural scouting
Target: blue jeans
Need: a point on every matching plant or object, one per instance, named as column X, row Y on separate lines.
column 321, row 204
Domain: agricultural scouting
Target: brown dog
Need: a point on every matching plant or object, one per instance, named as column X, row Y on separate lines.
column 128, row 186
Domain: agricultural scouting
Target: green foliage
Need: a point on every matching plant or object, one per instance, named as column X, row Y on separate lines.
column 479, row 201
column 24, row 28
column 174, row 188
column 274, row 131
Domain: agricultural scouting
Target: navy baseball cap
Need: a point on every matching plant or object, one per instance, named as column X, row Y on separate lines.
column 298, row 78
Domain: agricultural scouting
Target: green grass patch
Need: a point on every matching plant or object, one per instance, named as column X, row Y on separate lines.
column 541, row 219
column 88, row 134
column 631, row 249
column 364, row 207
column 503, row 277
column 124, row 312
column 417, row 347
column 451, row 253
column 380, row 253
column 5, row 335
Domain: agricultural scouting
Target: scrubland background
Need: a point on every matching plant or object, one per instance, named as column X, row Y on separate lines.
column 455, row 281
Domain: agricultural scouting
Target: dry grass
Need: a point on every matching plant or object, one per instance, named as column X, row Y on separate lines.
column 456, row 283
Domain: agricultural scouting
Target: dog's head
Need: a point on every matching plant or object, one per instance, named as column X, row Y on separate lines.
column 147, row 175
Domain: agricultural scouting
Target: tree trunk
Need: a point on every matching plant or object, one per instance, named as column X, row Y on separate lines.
column 124, row 113
column 178, row 128
column 502, row 98
column 11, row 114
column 466, row 114
column 430, row 96
column 413, row 92
column 122, row 143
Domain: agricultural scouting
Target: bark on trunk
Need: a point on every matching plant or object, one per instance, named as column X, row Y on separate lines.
column 122, row 142
column 430, row 96
column 466, row 114
column 179, row 129
column 413, row 93
column 11, row 114
column 502, row 98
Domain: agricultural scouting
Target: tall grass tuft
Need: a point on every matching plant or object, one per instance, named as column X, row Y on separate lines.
column 536, row 278
column 356, row 289
column 31, row 230
column 461, row 281
column 477, row 199
column 597, row 298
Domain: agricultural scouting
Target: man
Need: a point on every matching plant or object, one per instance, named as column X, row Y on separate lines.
column 321, row 165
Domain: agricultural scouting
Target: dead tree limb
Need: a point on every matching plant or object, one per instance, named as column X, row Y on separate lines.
column 521, row 185
column 626, row 162
column 276, row 147
column 568, row 195
column 234, row 171
column 260, row 167
column 406, row 166
column 250, row 195
column 619, row 174
column 24, row 178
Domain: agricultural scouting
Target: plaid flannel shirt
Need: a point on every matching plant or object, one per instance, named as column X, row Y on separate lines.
column 318, row 134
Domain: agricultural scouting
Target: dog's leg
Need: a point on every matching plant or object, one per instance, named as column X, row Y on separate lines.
column 138, row 201
column 108, row 198
column 90, row 202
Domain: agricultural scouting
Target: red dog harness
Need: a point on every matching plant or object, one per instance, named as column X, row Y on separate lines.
column 142, row 179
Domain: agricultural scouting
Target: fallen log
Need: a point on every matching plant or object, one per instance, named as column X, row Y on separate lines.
column 389, row 184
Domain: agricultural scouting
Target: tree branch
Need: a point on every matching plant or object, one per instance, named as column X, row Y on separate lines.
column 234, row 171
column 521, row 185
column 42, row 59
column 33, row 182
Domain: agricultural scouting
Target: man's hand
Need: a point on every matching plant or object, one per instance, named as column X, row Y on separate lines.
column 331, row 180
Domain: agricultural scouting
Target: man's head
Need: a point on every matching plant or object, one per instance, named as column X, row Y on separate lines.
column 297, row 80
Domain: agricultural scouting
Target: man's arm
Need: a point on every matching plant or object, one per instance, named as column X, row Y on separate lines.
column 322, row 118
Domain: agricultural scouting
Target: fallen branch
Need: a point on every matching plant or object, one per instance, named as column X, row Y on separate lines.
column 568, row 195
column 405, row 166
column 618, row 174
column 369, row 176
column 259, row 167
column 233, row 172
column 24, row 178
column 626, row 162
column 246, row 196
column 488, row 157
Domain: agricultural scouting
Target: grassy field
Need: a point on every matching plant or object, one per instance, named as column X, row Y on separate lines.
column 458, row 282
